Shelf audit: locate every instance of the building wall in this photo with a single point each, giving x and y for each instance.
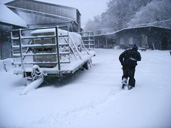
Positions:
(164, 38)
(5, 45)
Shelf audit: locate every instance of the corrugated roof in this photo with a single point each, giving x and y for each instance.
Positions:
(9, 17)
(138, 27)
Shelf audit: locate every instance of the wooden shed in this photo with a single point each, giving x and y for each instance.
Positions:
(151, 37)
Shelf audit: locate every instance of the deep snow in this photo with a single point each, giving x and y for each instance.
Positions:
(92, 98)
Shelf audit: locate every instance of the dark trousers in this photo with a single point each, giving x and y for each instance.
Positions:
(128, 72)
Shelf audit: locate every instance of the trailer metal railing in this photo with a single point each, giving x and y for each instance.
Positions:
(23, 40)
(88, 39)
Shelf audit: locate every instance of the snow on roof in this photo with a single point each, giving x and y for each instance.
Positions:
(5, 1)
(54, 3)
(9, 17)
(144, 26)
(137, 27)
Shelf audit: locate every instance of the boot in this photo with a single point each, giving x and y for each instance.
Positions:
(130, 87)
(124, 83)
(123, 86)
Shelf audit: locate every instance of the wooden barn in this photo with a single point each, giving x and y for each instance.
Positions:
(147, 37)
(33, 14)
(151, 37)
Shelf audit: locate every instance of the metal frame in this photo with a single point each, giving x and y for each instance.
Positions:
(20, 50)
(23, 54)
(88, 39)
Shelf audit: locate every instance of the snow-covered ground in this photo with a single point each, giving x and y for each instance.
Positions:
(92, 98)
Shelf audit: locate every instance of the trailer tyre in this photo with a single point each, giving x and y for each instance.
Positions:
(88, 64)
(36, 73)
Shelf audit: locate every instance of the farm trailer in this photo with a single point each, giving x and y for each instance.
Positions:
(47, 52)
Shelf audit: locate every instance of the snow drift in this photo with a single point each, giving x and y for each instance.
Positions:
(93, 98)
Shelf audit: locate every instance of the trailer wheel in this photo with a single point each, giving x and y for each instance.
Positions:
(88, 64)
(36, 73)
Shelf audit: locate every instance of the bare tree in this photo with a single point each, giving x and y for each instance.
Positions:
(158, 13)
(117, 16)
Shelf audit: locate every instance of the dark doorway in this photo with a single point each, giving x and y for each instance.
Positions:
(165, 44)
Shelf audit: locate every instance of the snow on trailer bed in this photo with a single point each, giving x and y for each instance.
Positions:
(71, 67)
(49, 51)
(65, 68)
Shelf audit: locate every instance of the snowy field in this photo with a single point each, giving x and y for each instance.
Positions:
(92, 98)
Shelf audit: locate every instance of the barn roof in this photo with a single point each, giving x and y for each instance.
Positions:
(43, 2)
(39, 12)
(139, 27)
(113, 34)
(9, 17)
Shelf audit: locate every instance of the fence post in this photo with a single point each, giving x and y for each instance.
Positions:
(57, 50)
(21, 53)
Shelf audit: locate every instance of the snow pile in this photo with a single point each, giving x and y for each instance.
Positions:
(93, 98)
(6, 65)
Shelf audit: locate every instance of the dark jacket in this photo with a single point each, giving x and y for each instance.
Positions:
(129, 58)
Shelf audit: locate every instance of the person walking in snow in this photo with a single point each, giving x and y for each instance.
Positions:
(128, 60)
